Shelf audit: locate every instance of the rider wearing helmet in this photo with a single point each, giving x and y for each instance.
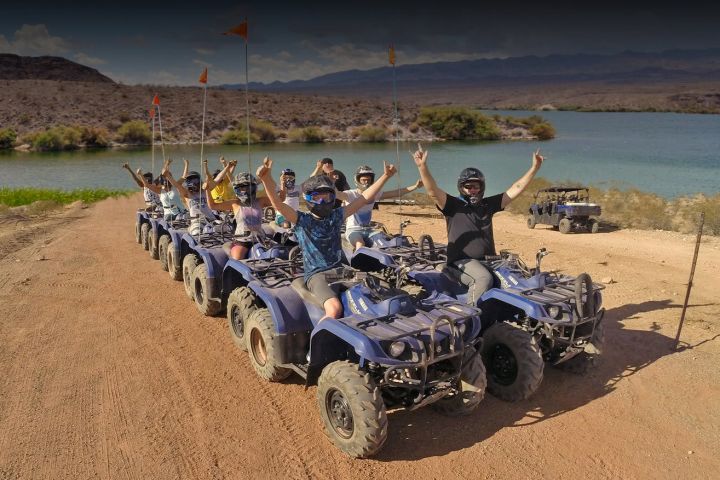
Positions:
(318, 232)
(220, 186)
(191, 190)
(292, 195)
(247, 208)
(469, 220)
(169, 198)
(357, 227)
(145, 181)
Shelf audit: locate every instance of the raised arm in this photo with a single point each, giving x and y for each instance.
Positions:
(224, 206)
(153, 188)
(371, 192)
(399, 192)
(186, 168)
(265, 176)
(132, 175)
(318, 169)
(437, 194)
(521, 183)
(229, 174)
(178, 186)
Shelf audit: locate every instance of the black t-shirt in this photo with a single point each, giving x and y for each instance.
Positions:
(341, 183)
(470, 230)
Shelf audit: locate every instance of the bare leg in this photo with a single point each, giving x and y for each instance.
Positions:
(238, 252)
(333, 308)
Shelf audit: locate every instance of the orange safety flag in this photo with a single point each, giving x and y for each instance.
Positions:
(241, 30)
(156, 100)
(391, 54)
(152, 113)
(203, 76)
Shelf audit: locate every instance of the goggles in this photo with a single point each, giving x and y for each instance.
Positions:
(473, 186)
(320, 197)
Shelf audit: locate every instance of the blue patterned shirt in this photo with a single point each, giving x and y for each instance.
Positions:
(319, 239)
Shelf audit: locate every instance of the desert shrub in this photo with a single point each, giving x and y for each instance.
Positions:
(7, 138)
(543, 131)
(458, 123)
(134, 132)
(265, 131)
(14, 197)
(55, 138)
(306, 135)
(238, 136)
(370, 133)
(94, 136)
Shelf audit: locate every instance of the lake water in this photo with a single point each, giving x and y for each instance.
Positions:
(665, 153)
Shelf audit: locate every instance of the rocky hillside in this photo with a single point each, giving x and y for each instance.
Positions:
(33, 105)
(14, 67)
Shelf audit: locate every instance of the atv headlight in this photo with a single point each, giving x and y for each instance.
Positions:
(397, 349)
(554, 311)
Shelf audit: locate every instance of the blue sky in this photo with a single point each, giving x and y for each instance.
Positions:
(170, 43)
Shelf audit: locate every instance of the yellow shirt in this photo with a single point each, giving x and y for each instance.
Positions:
(223, 191)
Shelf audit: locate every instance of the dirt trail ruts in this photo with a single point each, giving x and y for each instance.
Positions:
(108, 371)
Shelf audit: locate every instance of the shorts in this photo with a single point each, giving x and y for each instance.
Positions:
(241, 243)
(361, 235)
(318, 285)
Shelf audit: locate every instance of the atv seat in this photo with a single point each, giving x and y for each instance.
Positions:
(299, 286)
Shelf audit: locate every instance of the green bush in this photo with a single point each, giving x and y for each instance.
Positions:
(134, 132)
(55, 139)
(265, 131)
(458, 123)
(7, 138)
(543, 131)
(238, 137)
(306, 135)
(370, 133)
(94, 136)
(14, 197)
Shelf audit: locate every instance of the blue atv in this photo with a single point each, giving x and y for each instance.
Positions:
(387, 351)
(143, 227)
(529, 318)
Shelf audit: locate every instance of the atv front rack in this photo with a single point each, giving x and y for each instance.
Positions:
(273, 272)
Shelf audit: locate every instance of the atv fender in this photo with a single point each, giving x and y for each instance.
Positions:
(531, 308)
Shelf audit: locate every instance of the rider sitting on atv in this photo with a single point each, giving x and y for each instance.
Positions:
(292, 195)
(318, 232)
(173, 207)
(248, 210)
(357, 227)
(469, 220)
(190, 190)
(152, 200)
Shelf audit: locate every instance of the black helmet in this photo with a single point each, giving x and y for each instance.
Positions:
(288, 171)
(364, 171)
(471, 175)
(289, 178)
(192, 181)
(247, 194)
(316, 184)
(148, 176)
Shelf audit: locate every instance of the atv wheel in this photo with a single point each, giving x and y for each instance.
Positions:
(426, 243)
(188, 267)
(565, 226)
(174, 270)
(240, 305)
(260, 330)
(591, 356)
(145, 236)
(294, 253)
(513, 361)
(352, 409)
(531, 222)
(593, 226)
(163, 244)
(202, 289)
(471, 386)
(137, 233)
(153, 245)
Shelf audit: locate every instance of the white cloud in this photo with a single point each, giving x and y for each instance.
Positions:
(88, 60)
(35, 40)
(204, 51)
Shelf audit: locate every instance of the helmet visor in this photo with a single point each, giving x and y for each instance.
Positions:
(320, 197)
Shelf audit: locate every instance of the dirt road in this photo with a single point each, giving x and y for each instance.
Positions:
(108, 371)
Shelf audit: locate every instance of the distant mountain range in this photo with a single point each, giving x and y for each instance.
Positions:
(625, 67)
(15, 67)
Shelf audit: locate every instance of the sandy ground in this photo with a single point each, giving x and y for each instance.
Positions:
(108, 371)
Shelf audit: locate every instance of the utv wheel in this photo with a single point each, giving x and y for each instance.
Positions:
(471, 388)
(352, 409)
(565, 226)
(531, 222)
(153, 245)
(163, 245)
(145, 236)
(202, 289)
(188, 267)
(174, 269)
(513, 361)
(591, 357)
(260, 331)
(240, 305)
(593, 226)
(137, 233)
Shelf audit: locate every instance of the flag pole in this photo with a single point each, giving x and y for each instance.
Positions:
(396, 125)
(202, 130)
(153, 145)
(247, 107)
(162, 142)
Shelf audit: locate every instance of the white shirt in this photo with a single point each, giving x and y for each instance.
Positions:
(360, 219)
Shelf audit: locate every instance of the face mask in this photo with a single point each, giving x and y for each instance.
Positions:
(193, 186)
(289, 183)
(322, 210)
(243, 193)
